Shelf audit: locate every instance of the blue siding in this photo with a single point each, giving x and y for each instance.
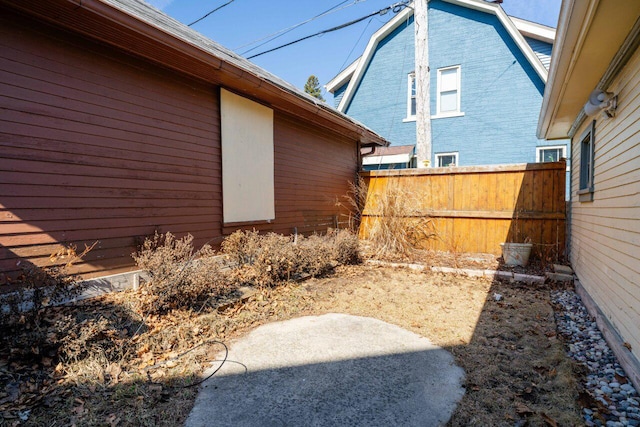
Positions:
(501, 94)
(380, 101)
(542, 50)
(338, 93)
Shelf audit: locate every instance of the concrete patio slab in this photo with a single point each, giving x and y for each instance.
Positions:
(330, 370)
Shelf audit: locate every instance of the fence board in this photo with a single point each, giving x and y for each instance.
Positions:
(474, 209)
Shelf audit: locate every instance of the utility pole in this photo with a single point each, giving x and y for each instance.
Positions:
(422, 79)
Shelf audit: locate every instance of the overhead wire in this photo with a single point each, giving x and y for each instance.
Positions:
(355, 44)
(284, 31)
(209, 13)
(396, 7)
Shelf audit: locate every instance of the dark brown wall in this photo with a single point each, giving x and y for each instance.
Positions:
(311, 171)
(99, 146)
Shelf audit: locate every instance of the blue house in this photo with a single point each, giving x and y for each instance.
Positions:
(488, 73)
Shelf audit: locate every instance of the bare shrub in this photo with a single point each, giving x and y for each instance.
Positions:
(315, 255)
(87, 338)
(40, 287)
(277, 260)
(346, 247)
(242, 247)
(178, 279)
(269, 259)
(401, 225)
(354, 202)
(548, 254)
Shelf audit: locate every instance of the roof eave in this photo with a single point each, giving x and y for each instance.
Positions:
(385, 30)
(534, 30)
(390, 26)
(343, 77)
(594, 41)
(183, 54)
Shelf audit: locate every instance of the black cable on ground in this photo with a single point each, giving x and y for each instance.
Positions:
(226, 354)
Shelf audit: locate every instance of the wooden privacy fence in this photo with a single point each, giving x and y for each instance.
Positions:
(474, 209)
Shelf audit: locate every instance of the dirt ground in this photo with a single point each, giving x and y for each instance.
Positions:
(502, 334)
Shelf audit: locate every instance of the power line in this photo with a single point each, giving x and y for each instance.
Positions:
(396, 7)
(355, 45)
(213, 11)
(281, 33)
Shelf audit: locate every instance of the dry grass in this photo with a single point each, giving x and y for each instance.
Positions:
(401, 225)
(516, 368)
(139, 369)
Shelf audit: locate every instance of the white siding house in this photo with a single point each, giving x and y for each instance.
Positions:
(597, 50)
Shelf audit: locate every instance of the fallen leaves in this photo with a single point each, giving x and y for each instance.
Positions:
(114, 370)
(550, 421)
(142, 372)
(522, 409)
(113, 420)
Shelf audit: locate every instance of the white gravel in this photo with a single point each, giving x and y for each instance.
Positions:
(605, 380)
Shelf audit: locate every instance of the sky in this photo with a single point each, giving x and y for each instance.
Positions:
(243, 22)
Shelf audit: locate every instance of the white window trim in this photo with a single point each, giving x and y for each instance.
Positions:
(446, 116)
(410, 117)
(457, 113)
(552, 147)
(454, 154)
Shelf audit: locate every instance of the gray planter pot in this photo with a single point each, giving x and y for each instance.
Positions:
(516, 253)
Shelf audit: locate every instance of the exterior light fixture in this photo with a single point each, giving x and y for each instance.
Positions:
(600, 100)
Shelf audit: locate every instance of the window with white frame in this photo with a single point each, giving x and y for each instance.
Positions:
(444, 160)
(411, 96)
(551, 153)
(448, 98)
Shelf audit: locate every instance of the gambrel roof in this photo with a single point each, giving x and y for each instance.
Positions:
(135, 27)
(516, 28)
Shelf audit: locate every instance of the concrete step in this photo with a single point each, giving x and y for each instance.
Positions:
(559, 277)
(562, 269)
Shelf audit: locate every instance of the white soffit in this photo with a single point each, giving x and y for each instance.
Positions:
(385, 160)
(590, 34)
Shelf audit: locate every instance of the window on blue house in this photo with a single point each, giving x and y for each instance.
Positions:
(411, 98)
(551, 154)
(444, 160)
(448, 100)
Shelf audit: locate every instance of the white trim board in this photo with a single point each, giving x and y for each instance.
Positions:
(343, 76)
(534, 30)
(385, 160)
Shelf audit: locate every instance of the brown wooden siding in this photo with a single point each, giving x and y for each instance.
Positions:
(312, 169)
(474, 209)
(98, 146)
